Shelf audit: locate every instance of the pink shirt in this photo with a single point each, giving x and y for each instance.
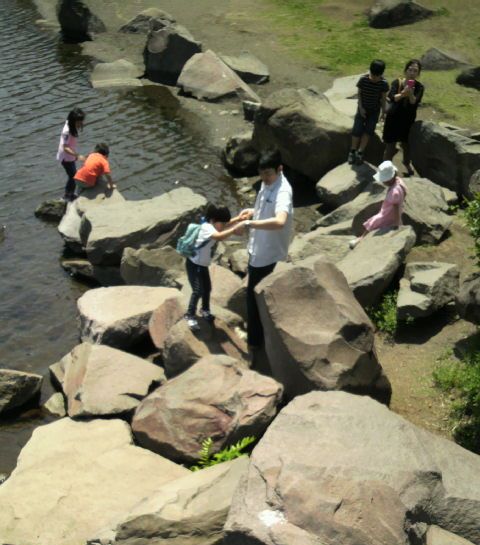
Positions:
(66, 139)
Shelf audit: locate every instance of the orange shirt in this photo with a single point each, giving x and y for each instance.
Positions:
(95, 165)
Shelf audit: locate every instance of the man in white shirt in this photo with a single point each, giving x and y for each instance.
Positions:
(270, 225)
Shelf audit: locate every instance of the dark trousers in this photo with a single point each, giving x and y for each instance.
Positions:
(254, 325)
(71, 169)
(199, 279)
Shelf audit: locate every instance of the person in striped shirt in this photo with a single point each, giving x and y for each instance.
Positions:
(372, 98)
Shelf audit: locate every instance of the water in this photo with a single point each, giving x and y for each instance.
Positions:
(152, 145)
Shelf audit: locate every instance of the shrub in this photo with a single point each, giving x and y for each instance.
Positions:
(208, 459)
(472, 217)
(384, 316)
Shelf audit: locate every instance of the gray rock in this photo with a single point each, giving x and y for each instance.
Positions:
(107, 230)
(239, 261)
(18, 389)
(120, 73)
(438, 536)
(191, 510)
(437, 59)
(248, 67)
(313, 349)
(343, 94)
(339, 468)
(240, 156)
(425, 288)
(146, 20)
(118, 316)
(237, 302)
(392, 13)
(444, 156)
(206, 77)
(344, 183)
(341, 228)
(250, 109)
(167, 51)
(468, 299)
(333, 247)
(52, 210)
(426, 210)
(153, 267)
(300, 123)
(77, 22)
(178, 416)
(55, 404)
(470, 77)
(82, 477)
(370, 267)
(102, 381)
(103, 275)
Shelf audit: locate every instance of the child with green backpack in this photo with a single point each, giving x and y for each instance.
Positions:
(197, 246)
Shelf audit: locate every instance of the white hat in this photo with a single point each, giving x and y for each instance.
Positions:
(386, 171)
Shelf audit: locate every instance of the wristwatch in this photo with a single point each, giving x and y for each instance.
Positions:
(247, 224)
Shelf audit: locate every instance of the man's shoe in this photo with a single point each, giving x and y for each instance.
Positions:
(359, 158)
(353, 243)
(192, 322)
(207, 316)
(351, 157)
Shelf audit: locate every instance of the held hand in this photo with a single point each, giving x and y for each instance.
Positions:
(81, 158)
(245, 214)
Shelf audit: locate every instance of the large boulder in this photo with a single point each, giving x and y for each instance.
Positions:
(215, 398)
(153, 267)
(99, 274)
(77, 22)
(317, 336)
(312, 136)
(118, 316)
(164, 317)
(240, 156)
(338, 468)
(120, 73)
(107, 230)
(183, 347)
(468, 299)
(426, 288)
(191, 510)
(206, 77)
(74, 478)
(248, 67)
(444, 155)
(151, 18)
(51, 210)
(437, 59)
(102, 381)
(392, 13)
(167, 50)
(372, 265)
(470, 77)
(333, 247)
(344, 183)
(18, 389)
(426, 210)
(343, 94)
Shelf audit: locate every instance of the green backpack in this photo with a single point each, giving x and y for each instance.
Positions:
(187, 244)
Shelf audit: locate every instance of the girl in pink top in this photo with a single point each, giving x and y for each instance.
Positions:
(67, 149)
(390, 214)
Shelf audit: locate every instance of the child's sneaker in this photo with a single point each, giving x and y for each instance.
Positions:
(207, 316)
(353, 243)
(359, 158)
(351, 157)
(192, 322)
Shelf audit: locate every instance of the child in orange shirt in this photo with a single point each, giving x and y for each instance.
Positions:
(96, 165)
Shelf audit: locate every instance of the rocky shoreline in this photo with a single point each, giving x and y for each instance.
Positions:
(141, 393)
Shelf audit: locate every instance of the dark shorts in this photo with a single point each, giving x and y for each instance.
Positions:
(367, 124)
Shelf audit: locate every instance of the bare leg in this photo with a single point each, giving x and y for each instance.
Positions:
(363, 142)
(355, 142)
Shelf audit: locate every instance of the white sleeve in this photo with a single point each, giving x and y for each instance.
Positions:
(283, 202)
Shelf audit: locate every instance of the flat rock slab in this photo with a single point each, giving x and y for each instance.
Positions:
(103, 381)
(426, 288)
(437, 59)
(333, 247)
(121, 73)
(371, 265)
(178, 416)
(80, 477)
(248, 67)
(339, 468)
(205, 76)
(317, 336)
(106, 231)
(118, 316)
(17, 389)
(343, 94)
(146, 20)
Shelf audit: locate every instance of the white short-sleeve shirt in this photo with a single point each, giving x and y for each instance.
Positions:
(203, 256)
(266, 247)
(66, 139)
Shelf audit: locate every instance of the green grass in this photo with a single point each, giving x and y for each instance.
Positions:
(336, 36)
(208, 459)
(384, 316)
(460, 378)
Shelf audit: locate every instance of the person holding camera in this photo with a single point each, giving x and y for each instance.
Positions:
(403, 99)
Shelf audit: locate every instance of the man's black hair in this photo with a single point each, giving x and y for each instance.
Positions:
(270, 159)
(103, 149)
(377, 67)
(221, 213)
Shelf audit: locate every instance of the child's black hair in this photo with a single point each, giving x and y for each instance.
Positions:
(413, 61)
(221, 213)
(270, 159)
(77, 114)
(103, 149)
(377, 67)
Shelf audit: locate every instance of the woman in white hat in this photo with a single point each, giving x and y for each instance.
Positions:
(390, 214)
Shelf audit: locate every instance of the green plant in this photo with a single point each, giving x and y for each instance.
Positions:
(208, 459)
(461, 379)
(384, 316)
(472, 217)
